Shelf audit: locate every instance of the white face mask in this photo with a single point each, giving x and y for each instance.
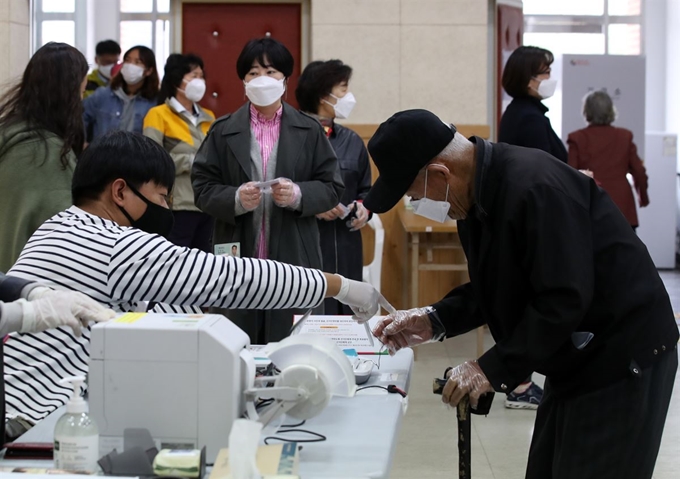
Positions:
(132, 74)
(195, 89)
(546, 88)
(431, 209)
(343, 106)
(264, 90)
(105, 70)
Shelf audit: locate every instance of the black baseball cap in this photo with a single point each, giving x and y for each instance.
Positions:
(400, 148)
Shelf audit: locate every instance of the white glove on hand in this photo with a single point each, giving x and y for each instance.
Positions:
(361, 219)
(249, 195)
(331, 215)
(466, 379)
(363, 298)
(62, 308)
(285, 193)
(409, 328)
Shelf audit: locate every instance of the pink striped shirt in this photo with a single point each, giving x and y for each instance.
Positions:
(267, 132)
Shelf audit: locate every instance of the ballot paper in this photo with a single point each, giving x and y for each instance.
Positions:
(266, 186)
(343, 331)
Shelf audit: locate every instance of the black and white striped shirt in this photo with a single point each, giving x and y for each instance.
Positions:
(121, 266)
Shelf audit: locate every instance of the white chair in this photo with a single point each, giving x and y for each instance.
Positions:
(372, 271)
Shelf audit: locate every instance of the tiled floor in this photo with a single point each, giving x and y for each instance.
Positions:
(427, 445)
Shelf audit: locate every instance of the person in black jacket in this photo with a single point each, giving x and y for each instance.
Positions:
(267, 140)
(28, 307)
(323, 92)
(564, 284)
(526, 78)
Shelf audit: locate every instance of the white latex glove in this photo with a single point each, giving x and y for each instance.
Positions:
(363, 298)
(361, 219)
(408, 328)
(62, 308)
(466, 379)
(284, 193)
(249, 195)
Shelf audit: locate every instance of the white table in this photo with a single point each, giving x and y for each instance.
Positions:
(361, 431)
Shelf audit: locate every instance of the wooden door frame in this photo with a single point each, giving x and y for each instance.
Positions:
(305, 24)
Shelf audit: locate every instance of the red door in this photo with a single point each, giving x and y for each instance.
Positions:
(218, 31)
(509, 34)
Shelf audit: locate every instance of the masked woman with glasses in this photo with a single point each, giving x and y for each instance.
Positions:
(180, 125)
(526, 78)
(264, 172)
(323, 92)
(125, 102)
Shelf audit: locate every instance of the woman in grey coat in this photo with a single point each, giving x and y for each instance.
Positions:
(267, 140)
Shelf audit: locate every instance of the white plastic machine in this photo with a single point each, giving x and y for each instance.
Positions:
(179, 376)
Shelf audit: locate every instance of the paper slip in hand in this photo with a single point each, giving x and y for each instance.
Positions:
(344, 331)
(266, 186)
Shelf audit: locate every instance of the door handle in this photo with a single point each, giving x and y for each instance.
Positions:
(216, 33)
(215, 95)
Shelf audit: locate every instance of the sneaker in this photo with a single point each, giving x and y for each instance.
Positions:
(529, 399)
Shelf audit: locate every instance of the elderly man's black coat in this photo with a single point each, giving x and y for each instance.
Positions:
(549, 255)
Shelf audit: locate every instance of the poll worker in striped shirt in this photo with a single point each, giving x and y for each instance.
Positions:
(110, 245)
(29, 307)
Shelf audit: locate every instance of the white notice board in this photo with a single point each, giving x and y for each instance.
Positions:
(623, 77)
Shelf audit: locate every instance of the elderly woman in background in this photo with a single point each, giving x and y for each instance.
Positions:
(609, 152)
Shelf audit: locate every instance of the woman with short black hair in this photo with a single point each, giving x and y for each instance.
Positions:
(264, 173)
(41, 134)
(323, 92)
(526, 78)
(125, 102)
(180, 125)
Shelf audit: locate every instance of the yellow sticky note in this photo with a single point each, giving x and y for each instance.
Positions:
(130, 318)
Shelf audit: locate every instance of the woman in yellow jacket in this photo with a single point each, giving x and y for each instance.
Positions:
(179, 124)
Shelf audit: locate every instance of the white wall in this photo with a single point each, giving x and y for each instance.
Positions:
(14, 40)
(672, 90)
(655, 50)
(405, 54)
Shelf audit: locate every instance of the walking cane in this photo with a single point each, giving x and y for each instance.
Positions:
(463, 412)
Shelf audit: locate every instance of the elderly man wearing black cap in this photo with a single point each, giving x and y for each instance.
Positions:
(565, 286)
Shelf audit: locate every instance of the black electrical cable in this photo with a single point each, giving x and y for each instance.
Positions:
(317, 437)
(288, 426)
(369, 387)
(391, 388)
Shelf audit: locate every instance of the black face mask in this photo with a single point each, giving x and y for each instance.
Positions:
(155, 220)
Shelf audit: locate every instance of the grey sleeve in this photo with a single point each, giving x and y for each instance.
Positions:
(13, 288)
(11, 315)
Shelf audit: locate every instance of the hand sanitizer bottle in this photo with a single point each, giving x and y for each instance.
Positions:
(76, 436)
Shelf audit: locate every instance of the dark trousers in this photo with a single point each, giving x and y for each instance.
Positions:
(611, 433)
(192, 229)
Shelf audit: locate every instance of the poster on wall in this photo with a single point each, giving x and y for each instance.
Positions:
(623, 77)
